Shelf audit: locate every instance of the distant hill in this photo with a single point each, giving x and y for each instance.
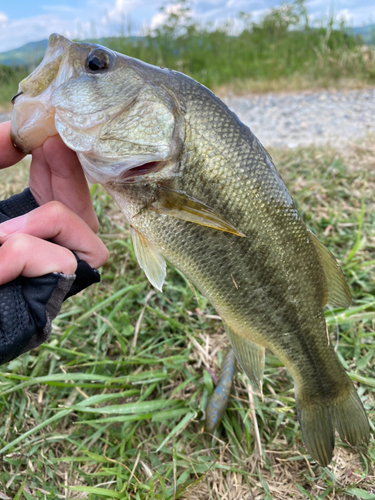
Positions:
(366, 32)
(28, 55)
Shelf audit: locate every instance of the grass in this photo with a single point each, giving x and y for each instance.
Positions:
(280, 51)
(9, 79)
(113, 405)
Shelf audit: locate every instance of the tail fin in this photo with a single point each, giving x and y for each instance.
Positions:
(318, 431)
(351, 420)
(319, 419)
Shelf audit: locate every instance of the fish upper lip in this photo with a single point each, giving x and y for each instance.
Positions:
(13, 100)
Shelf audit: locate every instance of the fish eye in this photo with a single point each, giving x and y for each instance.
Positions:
(98, 60)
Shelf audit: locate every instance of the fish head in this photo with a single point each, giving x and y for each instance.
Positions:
(119, 114)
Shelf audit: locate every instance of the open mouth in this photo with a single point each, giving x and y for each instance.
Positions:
(141, 170)
(13, 100)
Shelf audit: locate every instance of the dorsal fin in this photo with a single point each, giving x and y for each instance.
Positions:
(149, 259)
(338, 293)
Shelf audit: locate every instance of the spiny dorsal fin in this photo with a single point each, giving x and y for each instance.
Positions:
(149, 259)
(249, 355)
(338, 293)
(182, 206)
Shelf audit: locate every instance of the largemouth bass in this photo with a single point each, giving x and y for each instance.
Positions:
(199, 190)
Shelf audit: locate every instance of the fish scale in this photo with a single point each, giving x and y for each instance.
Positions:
(199, 190)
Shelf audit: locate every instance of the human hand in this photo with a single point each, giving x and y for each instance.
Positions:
(36, 275)
(55, 175)
(25, 252)
(56, 179)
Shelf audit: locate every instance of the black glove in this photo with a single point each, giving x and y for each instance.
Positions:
(28, 305)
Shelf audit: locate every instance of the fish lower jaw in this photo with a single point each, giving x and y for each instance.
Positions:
(31, 125)
(126, 171)
(100, 172)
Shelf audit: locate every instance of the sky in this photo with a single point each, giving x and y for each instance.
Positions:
(23, 21)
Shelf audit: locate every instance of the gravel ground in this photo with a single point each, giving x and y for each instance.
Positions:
(304, 118)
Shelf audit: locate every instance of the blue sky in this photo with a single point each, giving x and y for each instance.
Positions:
(23, 21)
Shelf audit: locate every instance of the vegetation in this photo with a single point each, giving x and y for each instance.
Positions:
(280, 52)
(113, 405)
(9, 79)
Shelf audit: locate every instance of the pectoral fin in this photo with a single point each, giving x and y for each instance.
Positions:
(182, 206)
(338, 293)
(249, 355)
(149, 259)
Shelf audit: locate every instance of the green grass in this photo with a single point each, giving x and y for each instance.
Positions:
(113, 405)
(279, 52)
(9, 79)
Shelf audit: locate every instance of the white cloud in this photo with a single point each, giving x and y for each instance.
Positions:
(157, 20)
(345, 15)
(15, 33)
(160, 18)
(123, 7)
(97, 18)
(356, 16)
(3, 17)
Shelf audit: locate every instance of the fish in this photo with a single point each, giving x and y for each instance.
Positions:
(199, 190)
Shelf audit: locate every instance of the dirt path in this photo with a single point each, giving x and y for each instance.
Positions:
(307, 118)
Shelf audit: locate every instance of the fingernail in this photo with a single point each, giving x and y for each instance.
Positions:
(12, 225)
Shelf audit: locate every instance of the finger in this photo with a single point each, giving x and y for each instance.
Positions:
(25, 255)
(40, 177)
(55, 222)
(64, 180)
(9, 155)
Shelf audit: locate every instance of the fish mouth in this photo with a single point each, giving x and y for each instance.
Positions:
(31, 123)
(141, 170)
(98, 169)
(13, 100)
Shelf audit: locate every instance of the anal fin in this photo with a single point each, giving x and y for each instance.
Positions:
(249, 355)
